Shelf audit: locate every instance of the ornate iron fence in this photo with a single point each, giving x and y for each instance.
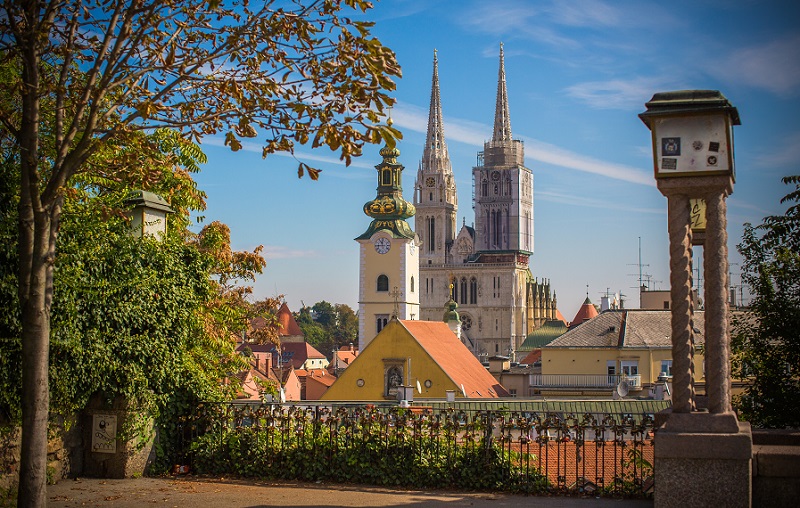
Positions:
(501, 450)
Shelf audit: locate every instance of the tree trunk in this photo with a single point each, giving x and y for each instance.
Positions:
(35, 362)
(36, 255)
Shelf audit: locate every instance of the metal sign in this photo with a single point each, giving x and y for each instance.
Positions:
(104, 433)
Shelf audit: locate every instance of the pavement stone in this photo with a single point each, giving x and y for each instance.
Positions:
(199, 492)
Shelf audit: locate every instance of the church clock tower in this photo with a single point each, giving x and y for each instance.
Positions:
(389, 255)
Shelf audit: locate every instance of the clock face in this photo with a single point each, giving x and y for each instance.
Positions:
(495, 176)
(382, 245)
(430, 182)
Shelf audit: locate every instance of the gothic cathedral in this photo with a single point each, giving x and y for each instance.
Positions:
(484, 269)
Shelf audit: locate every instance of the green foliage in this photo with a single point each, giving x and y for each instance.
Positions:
(766, 339)
(396, 448)
(142, 320)
(332, 326)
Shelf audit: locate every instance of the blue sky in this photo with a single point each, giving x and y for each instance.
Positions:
(578, 73)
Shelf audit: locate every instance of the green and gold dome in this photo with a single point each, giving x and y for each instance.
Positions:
(389, 210)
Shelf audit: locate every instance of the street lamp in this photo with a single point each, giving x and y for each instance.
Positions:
(692, 137)
(692, 133)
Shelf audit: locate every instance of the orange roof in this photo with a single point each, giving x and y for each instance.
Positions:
(585, 313)
(533, 357)
(288, 325)
(560, 317)
(346, 357)
(321, 376)
(455, 360)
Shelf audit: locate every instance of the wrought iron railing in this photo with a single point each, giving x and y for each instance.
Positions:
(586, 381)
(424, 447)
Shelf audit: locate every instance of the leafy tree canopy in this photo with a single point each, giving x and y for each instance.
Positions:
(766, 340)
(88, 73)
(327, 326)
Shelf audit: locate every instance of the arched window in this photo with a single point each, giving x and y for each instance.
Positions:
(387, 177)
(473, 291)
(463, 290)
(412, 283)
(381, 321)
(383, 283)
(485, 188)
(431, 234)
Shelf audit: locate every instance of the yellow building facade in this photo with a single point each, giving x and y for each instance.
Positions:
(423, 355)
(629, 345)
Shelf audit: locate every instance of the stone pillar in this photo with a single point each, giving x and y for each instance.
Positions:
(702, 455)
(715, 252)
(680, 278)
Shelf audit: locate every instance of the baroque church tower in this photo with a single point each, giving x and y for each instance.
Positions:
(483, 269)
(388, 255)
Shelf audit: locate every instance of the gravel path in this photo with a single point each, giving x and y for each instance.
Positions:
(225, 493)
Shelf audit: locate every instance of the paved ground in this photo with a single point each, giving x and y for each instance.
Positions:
(225, 493)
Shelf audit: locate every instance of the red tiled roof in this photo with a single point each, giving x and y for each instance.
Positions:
(533, 357)
(346, 357)
(455, 360)
(585, 313)
(292, 353)
(560, 317)
(320, 376)
(288, 325)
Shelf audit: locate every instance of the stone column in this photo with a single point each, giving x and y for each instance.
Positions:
(715, 252)
(680, 255)
(702, 456)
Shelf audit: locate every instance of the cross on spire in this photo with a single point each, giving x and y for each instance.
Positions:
(396, 294)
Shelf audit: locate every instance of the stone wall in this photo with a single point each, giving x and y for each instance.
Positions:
(70, 454)
(64, 452)
(776, 468)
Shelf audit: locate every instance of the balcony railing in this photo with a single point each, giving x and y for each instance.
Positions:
(584, 381)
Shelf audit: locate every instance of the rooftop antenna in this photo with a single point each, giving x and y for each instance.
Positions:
(640, 265)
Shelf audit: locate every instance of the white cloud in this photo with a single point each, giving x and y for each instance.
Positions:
(298, 155)
(415, 118)
(618, 93)
(783, 155)
(551, 154)
(572, 199)
(474, 133)
(282, 252)
(774, 67)
(584, 13)
(511, 18)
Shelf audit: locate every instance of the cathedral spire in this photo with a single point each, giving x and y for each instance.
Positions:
(502, 121)
(435, 157)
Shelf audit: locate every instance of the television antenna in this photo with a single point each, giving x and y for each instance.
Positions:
(640, 265)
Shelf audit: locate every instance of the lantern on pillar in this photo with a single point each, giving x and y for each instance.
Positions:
(692, 132)
(692, 136)
(148, 213)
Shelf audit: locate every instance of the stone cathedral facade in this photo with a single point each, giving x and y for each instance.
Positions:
(484, 268)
